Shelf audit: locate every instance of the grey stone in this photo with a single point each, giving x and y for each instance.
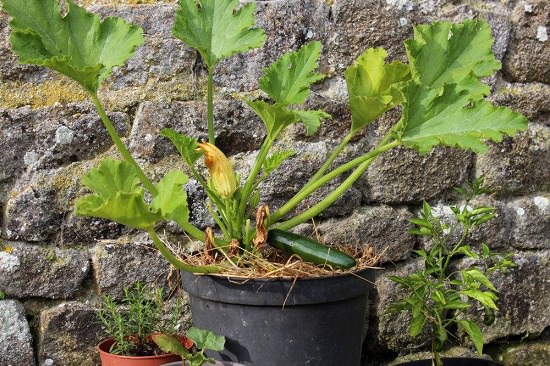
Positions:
(531, 217)
(120, 264)
(15, 336)
(42, 271)
(50, 138)
(69, 333)
(391, 331)
(520, 165)
(236, 126)
(529, 99)
(519, 63)
(518, 312)
(402, 175)
(382, 227)
(526, 354)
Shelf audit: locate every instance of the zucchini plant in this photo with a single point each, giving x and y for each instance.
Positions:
(439, 92)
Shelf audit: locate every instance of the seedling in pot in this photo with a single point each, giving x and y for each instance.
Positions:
(192, 351)
(440, 296)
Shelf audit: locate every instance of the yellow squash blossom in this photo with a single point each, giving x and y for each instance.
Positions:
(220, 169)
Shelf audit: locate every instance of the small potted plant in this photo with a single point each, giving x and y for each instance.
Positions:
(441, 294)
(131, 325)
(439, 92)
(192, 351)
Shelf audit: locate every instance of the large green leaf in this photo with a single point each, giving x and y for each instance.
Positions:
(288, 80)
(171, 201)
(444, 52)
(450, 116)
(77, 44)
(125, 208)
(117, 196)
(217, 28)
(112, 176)
(371, 86)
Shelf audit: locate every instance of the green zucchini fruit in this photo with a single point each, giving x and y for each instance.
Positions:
(309, 250)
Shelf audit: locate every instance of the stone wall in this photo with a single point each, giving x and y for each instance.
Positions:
(54, 265)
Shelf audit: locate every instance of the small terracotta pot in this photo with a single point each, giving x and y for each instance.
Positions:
(109, 359)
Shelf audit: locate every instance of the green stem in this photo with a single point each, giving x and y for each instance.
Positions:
(121, 147)
(362, 162)
(210, 106)
(176, 262)
(330, 159)
(338, 192)
(249, 185)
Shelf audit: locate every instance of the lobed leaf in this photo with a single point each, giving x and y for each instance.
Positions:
(371, 86)
(186, 145)
(217, 28)
(171, 201)
(205, 339)
(449, 116)
(443, 52)
(78, 44)
(276, 117)
(288, 80)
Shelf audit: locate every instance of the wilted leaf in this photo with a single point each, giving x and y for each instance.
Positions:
(371, 86)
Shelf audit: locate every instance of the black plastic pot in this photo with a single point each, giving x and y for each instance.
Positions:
(314, 321)
(454, 361)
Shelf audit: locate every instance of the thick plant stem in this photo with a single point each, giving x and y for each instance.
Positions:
(210, 106)
(121, 147)
(249, 185)
(172, 259)
(362, 164)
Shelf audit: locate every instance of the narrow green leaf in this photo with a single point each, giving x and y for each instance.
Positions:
(218, 28)
(417, 324)
(78, 44)
(206, 339)
(288, 80)
(474, 332)
(186, 145)
(311, 119)
(477, 275)
(457, 304)
(371, 86)
(485, 298)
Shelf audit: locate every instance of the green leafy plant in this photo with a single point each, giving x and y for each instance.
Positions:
(201, 340)
(439, 91)
(140, 315)
(440, 296)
